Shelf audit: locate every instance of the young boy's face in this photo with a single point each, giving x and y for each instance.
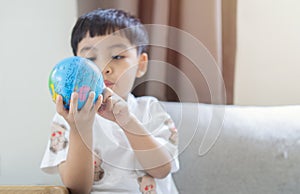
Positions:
(117, 58)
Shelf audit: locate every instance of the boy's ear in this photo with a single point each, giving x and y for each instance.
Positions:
(143, 65)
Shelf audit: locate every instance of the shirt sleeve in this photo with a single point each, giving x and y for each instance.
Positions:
(159, 123)
(58, 145)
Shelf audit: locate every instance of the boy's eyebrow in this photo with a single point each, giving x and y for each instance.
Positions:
(122, 46)
(87, 48)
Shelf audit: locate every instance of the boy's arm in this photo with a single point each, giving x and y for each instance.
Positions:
(78, 169)
(153, 157)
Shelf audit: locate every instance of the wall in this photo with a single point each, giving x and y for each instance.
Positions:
(267, 65)
(34, 36)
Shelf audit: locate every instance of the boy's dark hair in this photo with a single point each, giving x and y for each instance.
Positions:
(105, 21)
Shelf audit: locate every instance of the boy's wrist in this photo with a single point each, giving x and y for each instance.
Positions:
(134, 127)
(80, 130)
(125, 121)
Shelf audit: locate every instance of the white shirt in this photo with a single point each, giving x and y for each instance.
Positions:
(117, 169)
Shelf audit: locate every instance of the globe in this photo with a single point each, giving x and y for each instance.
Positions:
(75, 74)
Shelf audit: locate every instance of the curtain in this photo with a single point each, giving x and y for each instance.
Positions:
(229, 20)
(192, 51)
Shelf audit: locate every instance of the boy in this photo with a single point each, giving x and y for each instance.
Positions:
(120, 144)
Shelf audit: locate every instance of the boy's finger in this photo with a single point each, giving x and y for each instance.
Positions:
(106, 94)
(60, 106)
(109, 104)
(74, 102)
(98, 103)
(90, 101)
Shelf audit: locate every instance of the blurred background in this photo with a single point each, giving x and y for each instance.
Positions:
(254, 45)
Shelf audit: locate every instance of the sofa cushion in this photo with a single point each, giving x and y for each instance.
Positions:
(237, 149)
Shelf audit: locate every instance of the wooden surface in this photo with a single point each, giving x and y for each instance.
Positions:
(33, 190)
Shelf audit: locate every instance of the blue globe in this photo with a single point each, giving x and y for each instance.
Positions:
(75, 74)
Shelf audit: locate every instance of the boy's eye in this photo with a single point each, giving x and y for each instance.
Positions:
(117, 57)
(92, 58)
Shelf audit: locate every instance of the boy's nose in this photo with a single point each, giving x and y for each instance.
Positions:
(107, 70)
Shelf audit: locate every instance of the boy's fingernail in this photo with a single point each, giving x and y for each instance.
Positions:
(57, 98)
(73, 95)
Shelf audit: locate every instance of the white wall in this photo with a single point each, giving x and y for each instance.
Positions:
(268, 60)
(34, 35)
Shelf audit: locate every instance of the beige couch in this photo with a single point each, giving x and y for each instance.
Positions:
(230, 150)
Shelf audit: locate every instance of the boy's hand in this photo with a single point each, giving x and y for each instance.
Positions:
(114, 108)
(83, 119)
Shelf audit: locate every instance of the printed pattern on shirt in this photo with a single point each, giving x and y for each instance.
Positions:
(98, 171)
(174, 133)
(147, 184)
(58, 141)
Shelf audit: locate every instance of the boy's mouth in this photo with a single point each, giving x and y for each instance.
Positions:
(108, 83)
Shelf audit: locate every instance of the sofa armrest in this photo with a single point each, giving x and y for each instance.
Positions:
(33, 189)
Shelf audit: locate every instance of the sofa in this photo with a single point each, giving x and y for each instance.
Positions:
(227, 150)
(237, 149)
